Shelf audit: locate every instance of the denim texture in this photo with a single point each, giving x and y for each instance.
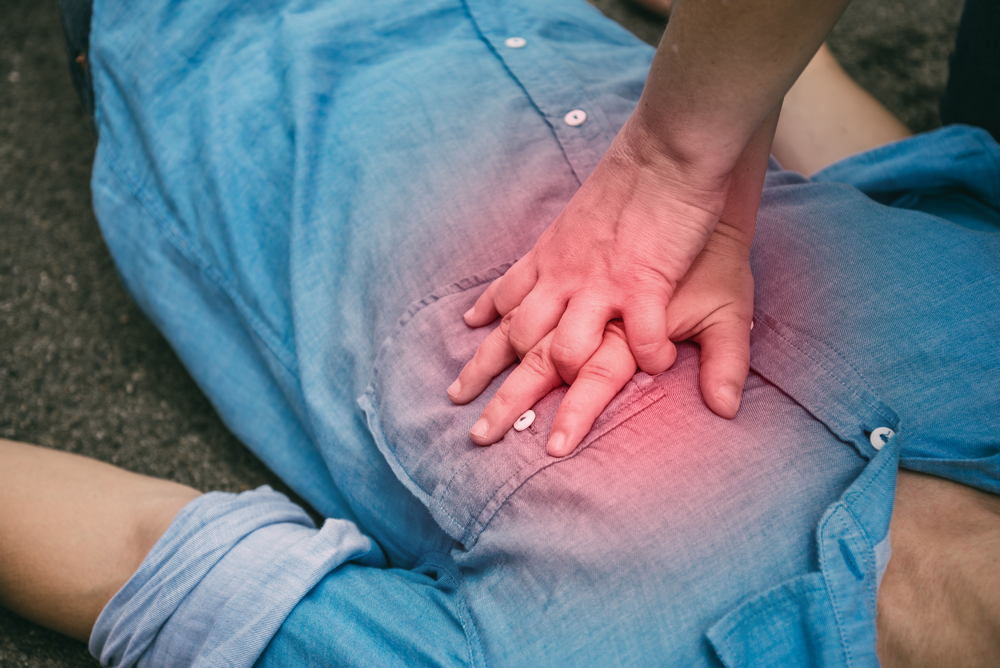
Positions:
(305, 196)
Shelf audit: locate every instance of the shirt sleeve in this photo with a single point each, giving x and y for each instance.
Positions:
(219, 583)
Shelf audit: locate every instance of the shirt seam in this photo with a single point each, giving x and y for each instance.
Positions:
(264, 333)
(463, 612)
(841, 631)
(772, 605)
(875, 406)
(581, 448)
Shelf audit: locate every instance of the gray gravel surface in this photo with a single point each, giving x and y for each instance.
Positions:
(81, 368)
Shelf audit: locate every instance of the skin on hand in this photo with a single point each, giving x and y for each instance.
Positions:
(629, 235)
(599, 380)
(618, 250)
(713, 306)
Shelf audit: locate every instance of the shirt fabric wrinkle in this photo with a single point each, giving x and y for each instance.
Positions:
(298, 274)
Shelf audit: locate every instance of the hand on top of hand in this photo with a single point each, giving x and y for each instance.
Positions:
(712, 305)
(618, 250)
(637, 260)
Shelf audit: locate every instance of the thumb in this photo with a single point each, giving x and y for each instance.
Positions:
(725, 363)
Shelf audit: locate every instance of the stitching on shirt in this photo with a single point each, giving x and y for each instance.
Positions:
(464, 527)
(868, 546)
(463, 611)
(873, 406)
(527, 95)
(991, 155)
(653, 400)
(770, 606)
(869, 543)
(836, 352)
(440, 505)
(260, 329)
(820, 364)
(871, 481)
(829, 592)
(411, 312)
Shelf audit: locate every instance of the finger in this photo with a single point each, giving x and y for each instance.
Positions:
(493, 356)
(483, 312)
(597, 383)
(646, 329)
(578, 335)
(531, 380)
(725, 363)
(514, 286)
(535, 318)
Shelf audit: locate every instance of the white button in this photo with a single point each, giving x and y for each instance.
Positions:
(524, 421)
(880, 437)
(575, 117)
(515, 42)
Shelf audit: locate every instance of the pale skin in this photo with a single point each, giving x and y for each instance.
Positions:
(624, 243)
(73, 530)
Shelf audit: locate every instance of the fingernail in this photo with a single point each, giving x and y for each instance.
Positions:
(557, 445)
(454, 390)
(468, 314)
(729, 395)
(481, 429)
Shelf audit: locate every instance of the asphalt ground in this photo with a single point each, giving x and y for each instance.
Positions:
(81, 368)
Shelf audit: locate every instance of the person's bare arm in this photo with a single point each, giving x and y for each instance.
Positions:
(939, 603)
(721, 68)
(73, 530)
(825, 116)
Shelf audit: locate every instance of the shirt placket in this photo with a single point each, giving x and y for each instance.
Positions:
(578, 123)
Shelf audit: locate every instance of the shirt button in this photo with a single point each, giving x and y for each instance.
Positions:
(880, 437)
(524, 421)
(515, 42)
(575, 117)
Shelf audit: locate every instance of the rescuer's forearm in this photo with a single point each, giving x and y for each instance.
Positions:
(721, 68)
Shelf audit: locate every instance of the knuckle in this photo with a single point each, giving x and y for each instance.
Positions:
(728, 348)
(504, 401)
(521, 345)
(478, 364)
(505, 323)
(564, 356)
(599, 373)
(537, 363)
(647, 349)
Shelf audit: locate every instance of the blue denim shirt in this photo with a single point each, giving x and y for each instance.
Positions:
(305, 196)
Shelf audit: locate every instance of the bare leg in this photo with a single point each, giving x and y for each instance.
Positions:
(72, 532)
(827, 116)
(939, 603)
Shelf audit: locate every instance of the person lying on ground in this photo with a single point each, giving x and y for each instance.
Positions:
(292, 197)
